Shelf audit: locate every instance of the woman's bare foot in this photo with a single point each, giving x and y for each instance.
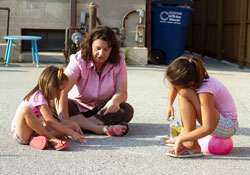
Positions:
(116, 130)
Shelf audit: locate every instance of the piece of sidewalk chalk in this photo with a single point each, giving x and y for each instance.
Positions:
(84, 140)
(162, 137)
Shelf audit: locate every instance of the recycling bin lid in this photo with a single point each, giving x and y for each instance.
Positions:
(172, 1)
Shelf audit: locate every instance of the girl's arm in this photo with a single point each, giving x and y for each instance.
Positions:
(62, 106)
(120, 96)
(51, 122)
(171, 97)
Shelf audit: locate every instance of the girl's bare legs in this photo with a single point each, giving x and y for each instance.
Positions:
(28, 122)
(190, 112)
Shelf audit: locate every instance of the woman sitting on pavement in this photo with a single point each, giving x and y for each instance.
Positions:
(97, 90)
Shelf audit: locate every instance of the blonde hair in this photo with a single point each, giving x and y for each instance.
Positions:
(51, 77)
(186, 69)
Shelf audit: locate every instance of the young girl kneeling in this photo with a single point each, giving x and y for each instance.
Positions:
(201, 98)
(33, 123)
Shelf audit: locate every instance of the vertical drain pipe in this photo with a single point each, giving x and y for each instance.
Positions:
(72, 15)
(92, 16)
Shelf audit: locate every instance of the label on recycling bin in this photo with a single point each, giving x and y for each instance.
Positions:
(171, 17)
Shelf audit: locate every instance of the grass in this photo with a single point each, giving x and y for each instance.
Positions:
(125, 52)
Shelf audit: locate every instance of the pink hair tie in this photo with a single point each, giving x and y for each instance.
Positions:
(190, 61)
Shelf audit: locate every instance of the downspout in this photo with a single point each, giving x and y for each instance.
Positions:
(148, 27)
(92, 16)
(8, 20)
(72, 14)
(68, 31)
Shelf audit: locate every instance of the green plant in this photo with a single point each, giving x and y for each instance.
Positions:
(125, 52)
(1, 60)
(149, 59)
(70, 47)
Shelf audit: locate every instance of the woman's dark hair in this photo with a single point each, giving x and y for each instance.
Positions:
(185, 69)
(103, 33)
(51, 77)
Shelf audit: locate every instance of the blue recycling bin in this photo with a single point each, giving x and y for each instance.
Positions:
(168, 32)
(172, 1)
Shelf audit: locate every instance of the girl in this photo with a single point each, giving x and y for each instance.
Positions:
(201, 97)
(33, 116)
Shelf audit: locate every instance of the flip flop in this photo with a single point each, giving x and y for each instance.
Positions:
(60, 145)
(117, 130)
(38, 142)
(189, 154)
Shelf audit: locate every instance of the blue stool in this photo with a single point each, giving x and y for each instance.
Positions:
(34, 50)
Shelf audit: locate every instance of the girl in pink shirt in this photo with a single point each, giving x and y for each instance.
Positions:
(201, 98)
(34, 117)
(95, 97)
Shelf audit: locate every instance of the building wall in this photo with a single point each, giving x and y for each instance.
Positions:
(55, 14)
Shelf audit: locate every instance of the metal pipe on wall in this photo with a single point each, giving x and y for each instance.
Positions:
(140, 27)
(72, 14)
(92, 16)
(122, 30)
(148, 27)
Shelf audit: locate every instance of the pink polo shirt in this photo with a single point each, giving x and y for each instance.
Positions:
(90, 90)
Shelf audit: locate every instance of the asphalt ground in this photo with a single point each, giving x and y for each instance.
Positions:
(139, 152)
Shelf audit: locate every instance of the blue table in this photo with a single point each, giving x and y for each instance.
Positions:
(33, 40)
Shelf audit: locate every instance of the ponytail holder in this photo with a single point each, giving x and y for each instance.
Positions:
(190, 61)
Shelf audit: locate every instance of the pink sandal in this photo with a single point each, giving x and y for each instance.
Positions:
(118, 130)
(38, 142)
(60, 145)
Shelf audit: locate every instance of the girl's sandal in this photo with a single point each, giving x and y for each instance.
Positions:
(60, 145)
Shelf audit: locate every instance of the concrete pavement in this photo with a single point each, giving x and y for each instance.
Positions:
(137, 153)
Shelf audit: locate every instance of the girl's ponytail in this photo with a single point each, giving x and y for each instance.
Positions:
(201, 72)
(60, 75)
(186, 69)
(51, 77)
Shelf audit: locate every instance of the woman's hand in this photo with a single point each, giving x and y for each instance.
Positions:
(110, 107)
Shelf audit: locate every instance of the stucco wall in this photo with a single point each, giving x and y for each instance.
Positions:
(55, 14)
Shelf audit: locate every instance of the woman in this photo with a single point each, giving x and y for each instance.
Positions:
(97, 90)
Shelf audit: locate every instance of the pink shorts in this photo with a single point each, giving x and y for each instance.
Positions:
(18, 138)
(226, 127)
(21, 140)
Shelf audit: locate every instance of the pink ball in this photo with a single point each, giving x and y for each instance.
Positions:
(216, 145)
